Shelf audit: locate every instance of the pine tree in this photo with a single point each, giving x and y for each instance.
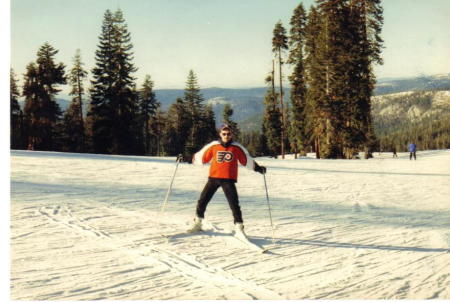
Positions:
(177, 128)
(209, 131)
(113, 98)
(101, 112)
(315, 62)
(16, 115)
(148, 106)
(280, 43)
(367, 21)
(342, 42)
(42, 113)
(194, 103)
(298, 133)
(271, 128)
(226, 119)
(73, 117)
(126, 98)
(328, 40)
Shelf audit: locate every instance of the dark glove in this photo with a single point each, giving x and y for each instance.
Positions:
(260, 169)
(186, 158)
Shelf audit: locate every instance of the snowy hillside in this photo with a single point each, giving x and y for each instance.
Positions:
(411, 105)
(88, 227)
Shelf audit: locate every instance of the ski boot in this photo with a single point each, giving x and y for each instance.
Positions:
(239, 230)
(196, 226)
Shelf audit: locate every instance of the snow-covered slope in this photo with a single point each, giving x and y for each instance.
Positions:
(88, 227)
(411, 105)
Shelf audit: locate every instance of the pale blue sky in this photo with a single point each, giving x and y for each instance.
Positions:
(226, 43)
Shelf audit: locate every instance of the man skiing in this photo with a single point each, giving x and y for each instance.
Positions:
(412, 151)
(224, 155)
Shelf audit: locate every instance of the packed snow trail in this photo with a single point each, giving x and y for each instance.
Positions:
(88, 227)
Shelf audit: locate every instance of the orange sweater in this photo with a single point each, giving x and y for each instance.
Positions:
(224, 160)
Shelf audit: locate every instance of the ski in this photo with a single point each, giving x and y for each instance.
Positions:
(213, 230)
(244, 239)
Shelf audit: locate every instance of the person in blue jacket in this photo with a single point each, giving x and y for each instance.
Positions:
(412, 151)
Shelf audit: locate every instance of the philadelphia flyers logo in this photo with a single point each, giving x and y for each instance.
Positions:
(224, 156)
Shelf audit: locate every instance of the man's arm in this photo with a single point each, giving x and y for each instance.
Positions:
(249, 162)
(204, 155)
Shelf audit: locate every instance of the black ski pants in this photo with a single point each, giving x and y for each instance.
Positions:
(229, 188)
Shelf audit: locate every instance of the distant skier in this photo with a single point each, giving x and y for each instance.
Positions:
(412, 151)
(394, 152)
(224, 155)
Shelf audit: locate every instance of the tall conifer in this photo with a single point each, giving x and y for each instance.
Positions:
(336, 43)
(315, 63)
(42, 113)
(74, 131)
(280, 43)
(367, 22)
(148, 106)
(271, 128)
(298, 138)
(194, 103)
(113, 97)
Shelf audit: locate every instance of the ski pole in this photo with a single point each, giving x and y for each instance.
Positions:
(270, 212)
(163, 206)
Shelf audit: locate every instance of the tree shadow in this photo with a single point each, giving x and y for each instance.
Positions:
(330, 244)
(359, 172)
(92, 156)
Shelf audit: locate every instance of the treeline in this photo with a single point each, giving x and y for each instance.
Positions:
(331, 50)
(428, 134)
(120, 118)
(396, 130)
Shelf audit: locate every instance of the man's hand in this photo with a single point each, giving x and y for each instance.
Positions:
(260, 169)
(185, 158)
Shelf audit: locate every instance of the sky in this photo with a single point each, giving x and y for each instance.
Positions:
(226, 43)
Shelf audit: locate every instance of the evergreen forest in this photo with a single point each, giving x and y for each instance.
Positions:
(325, 56)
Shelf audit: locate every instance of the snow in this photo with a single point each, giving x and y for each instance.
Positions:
(87, 227)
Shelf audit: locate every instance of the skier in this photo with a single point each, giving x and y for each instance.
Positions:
(394, 152)
(224, 155)
(412, 150)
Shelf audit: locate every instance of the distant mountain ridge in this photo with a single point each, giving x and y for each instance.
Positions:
(392, 110)
(434, 82)
(248, 107)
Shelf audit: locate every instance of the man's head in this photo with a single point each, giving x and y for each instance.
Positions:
(225, 133)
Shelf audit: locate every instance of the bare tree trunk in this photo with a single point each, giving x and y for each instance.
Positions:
(282, 104)
(317, 147)
(81, 112)
(273, 79)
(273, 88)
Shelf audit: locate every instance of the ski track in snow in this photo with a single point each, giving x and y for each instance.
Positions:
(87, 227)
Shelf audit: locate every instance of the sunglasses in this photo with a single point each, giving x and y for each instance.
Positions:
(226, 134)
